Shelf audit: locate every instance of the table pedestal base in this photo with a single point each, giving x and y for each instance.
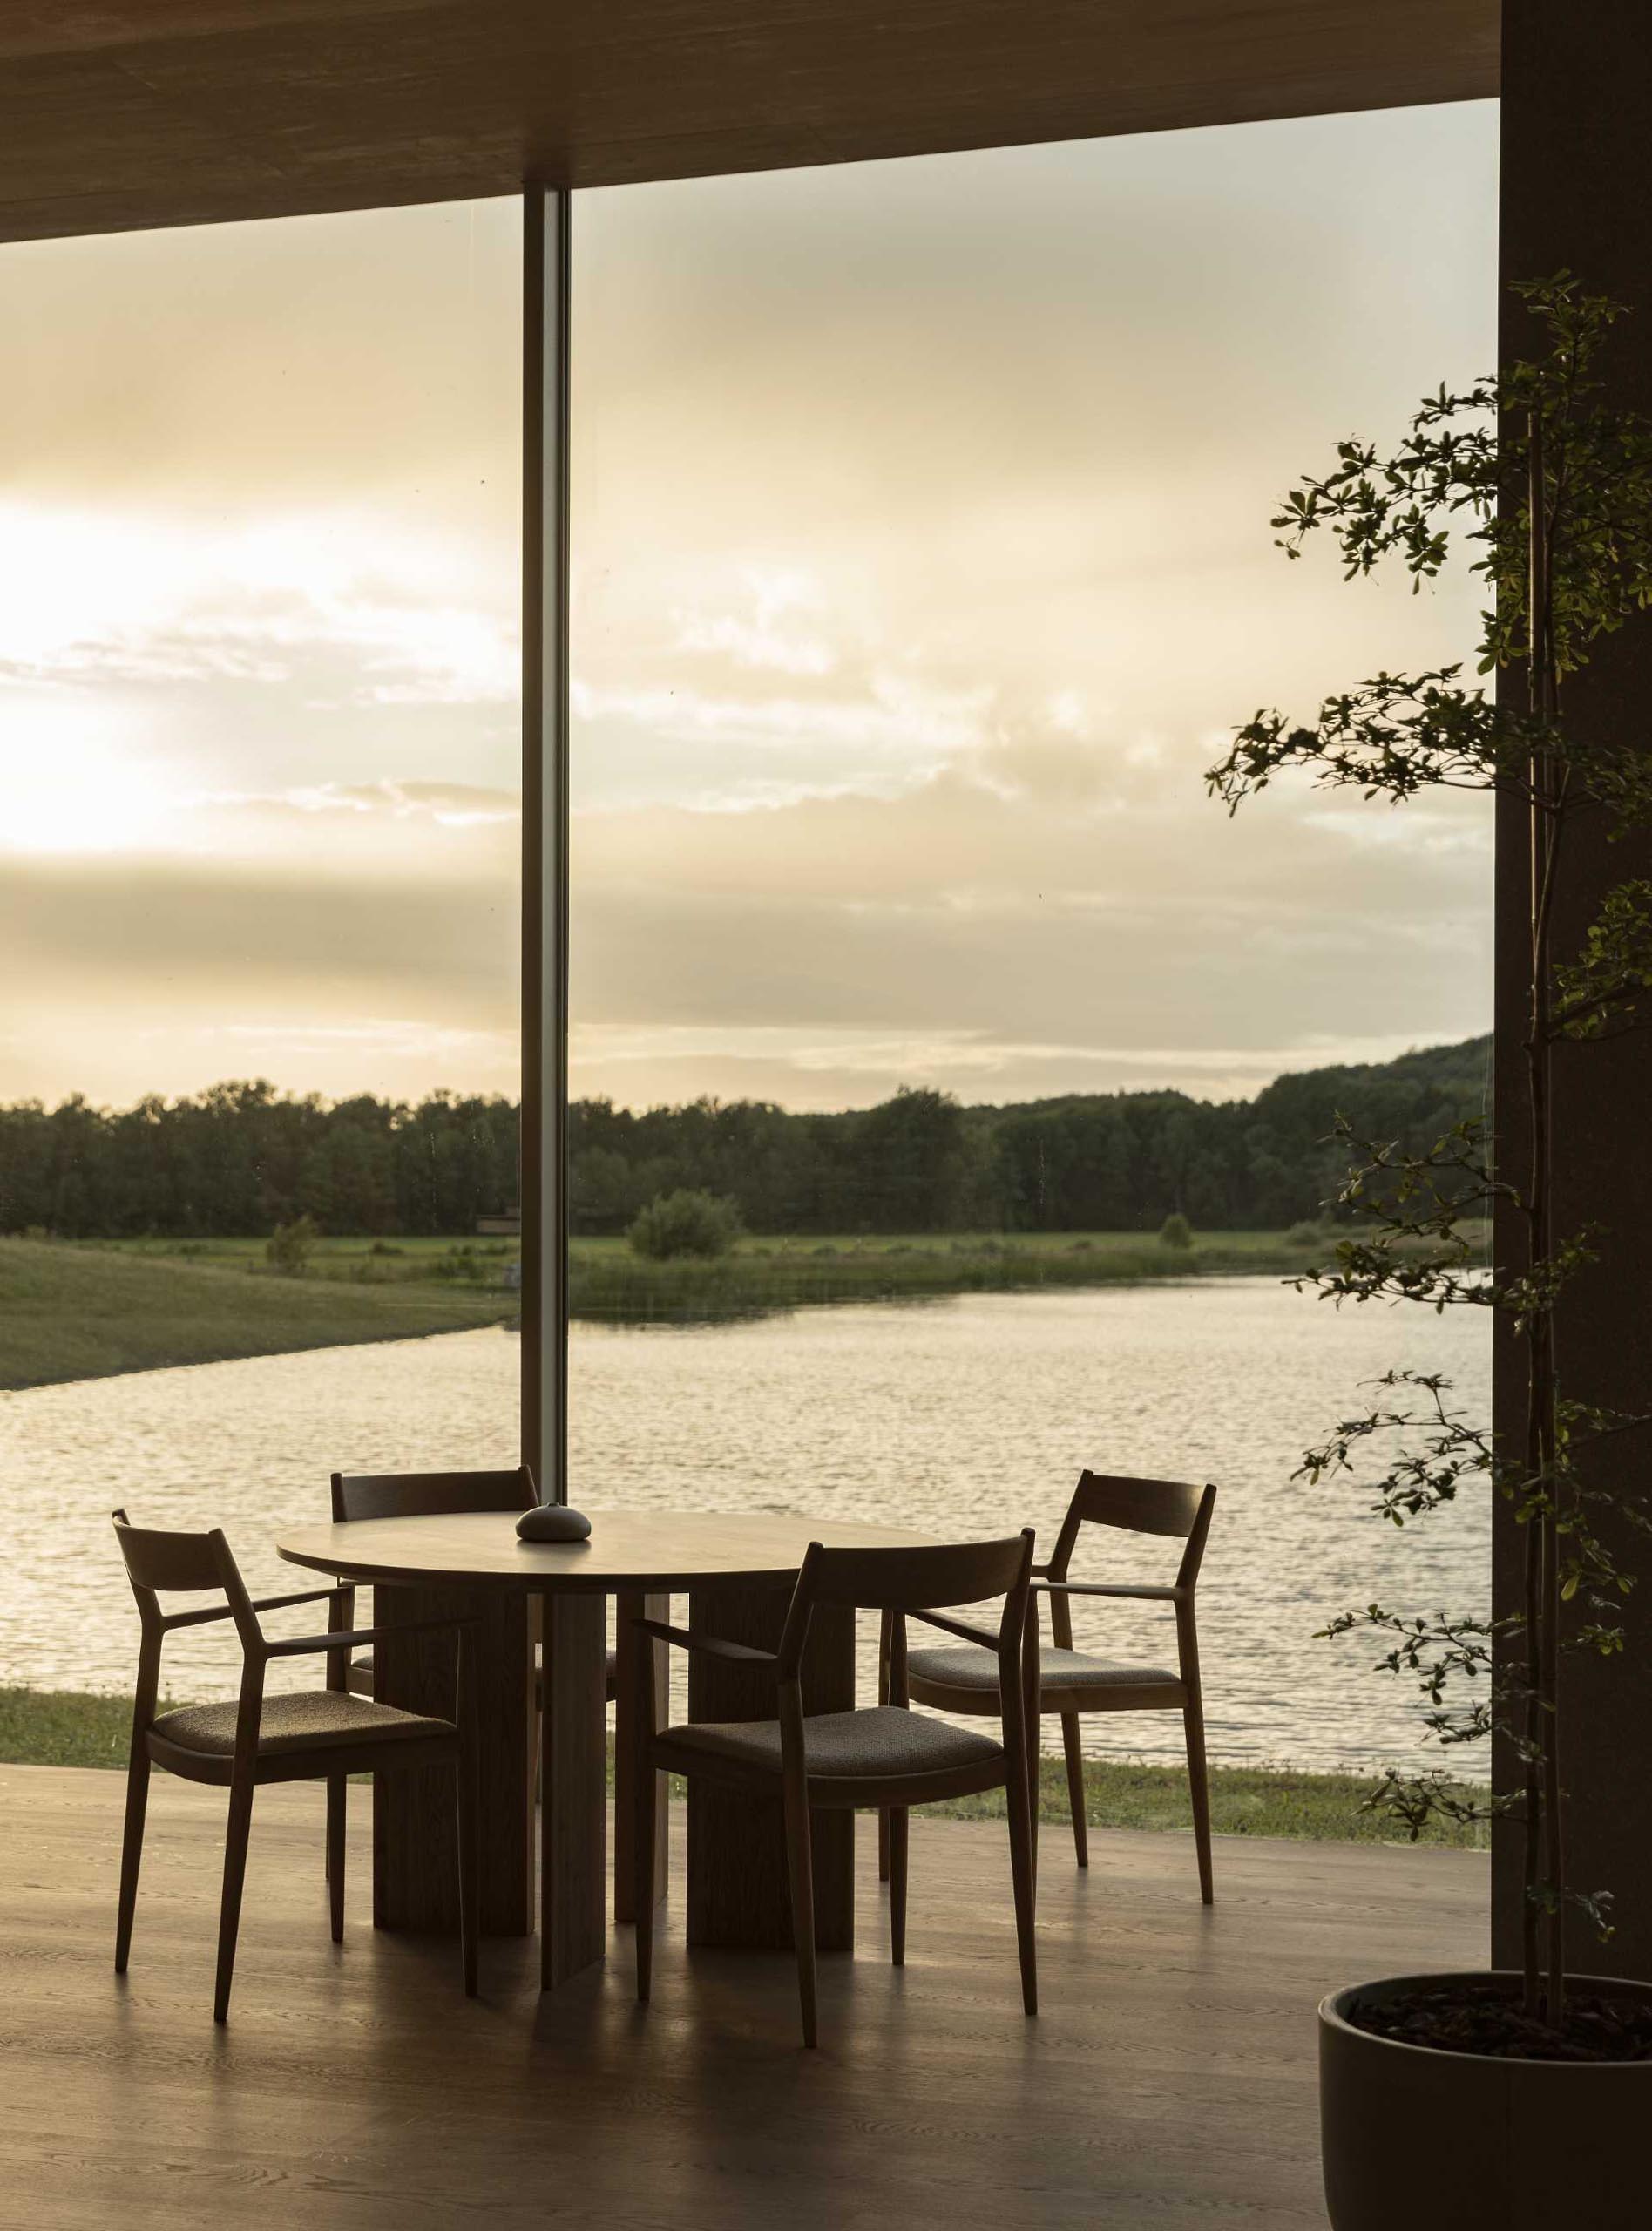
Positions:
(627, 1719)
(573, 1929)
(415, 1875)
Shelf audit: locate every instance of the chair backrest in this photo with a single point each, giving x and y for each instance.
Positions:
(429, 1495)
(908, 1580)
(1168, 1506)
(160, 1564)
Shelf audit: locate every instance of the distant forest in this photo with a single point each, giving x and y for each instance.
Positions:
(242, 1158)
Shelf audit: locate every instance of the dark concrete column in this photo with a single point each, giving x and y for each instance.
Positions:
(1577, 193)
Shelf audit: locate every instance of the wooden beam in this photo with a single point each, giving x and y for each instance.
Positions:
(156, 112)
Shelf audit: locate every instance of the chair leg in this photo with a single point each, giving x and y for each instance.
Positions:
(801, 1867)
(469, 1807)
(1074, 1750)
(882, 1843)
(236, 1833)
(337, 1784)
(644, 1829)
(897, 1850)
(1199, 1789)
(132, 1852)
(1024, 1871)
(1032, 1723)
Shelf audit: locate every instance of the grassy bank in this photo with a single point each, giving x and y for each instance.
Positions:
(73, 1312)
(608, 1280)
(56, 1728)
(84, 1309)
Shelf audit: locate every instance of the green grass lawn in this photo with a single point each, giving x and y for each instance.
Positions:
(79, 1312)
(56, 1728)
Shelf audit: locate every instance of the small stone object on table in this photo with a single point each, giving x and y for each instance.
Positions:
(553, 1522)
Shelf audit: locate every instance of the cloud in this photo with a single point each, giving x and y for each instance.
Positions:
(921, 564)
(450, 804)
(996, 941)
(1020, 934)
(102, 597)
(786, 628)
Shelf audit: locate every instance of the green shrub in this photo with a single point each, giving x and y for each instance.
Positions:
(1308, 1233)
(464, 1263)
(685, 1223)
(287, 1249)
(1176, 1231)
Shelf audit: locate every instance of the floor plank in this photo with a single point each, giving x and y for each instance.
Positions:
(1167, 2083)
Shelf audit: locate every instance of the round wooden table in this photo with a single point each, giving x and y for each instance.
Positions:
(737, 1569)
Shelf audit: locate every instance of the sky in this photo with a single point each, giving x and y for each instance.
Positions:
(922, 563)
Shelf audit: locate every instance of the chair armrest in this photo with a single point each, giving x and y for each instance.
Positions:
(961, 1628)
(172, 1619)
(708, 1645)
(264, 1603)
(1111, 1587)
(352, 1638)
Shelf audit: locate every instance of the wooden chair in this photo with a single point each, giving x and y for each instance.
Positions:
(418, 1494)
(326, 1734)
(886, 1755)
(1073, 1683)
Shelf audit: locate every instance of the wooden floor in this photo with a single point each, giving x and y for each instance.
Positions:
(1169, 2083)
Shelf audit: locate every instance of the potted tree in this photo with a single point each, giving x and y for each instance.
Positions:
(1517, 2099)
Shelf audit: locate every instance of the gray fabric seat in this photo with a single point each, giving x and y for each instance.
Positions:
(309, 1721)
(976, 1671)
(878, 1739)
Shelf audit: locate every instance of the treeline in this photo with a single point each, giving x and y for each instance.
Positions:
(242, 1158)
(1093, 1162)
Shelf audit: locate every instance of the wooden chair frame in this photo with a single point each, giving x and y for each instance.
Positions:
(435, 1495)
(902, 1583)
(166, 1563)
(426, 1494)
(1171, 1508)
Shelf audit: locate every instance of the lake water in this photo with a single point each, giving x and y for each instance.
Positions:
(964, 1416)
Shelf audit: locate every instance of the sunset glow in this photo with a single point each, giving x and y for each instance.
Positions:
(921, 564)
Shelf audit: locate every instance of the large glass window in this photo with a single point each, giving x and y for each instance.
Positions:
(923, 564)
(259, 760)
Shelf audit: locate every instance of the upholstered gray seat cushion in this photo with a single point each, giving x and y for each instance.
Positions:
(309, 1721)
(878, 1739)
(362, 1673)
(976, 1671)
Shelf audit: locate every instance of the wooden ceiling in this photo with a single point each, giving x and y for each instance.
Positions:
(119, 114)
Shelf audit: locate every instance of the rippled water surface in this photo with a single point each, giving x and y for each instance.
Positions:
(963, 1416)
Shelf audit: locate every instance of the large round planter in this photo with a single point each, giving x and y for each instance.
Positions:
(1416, 2140)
